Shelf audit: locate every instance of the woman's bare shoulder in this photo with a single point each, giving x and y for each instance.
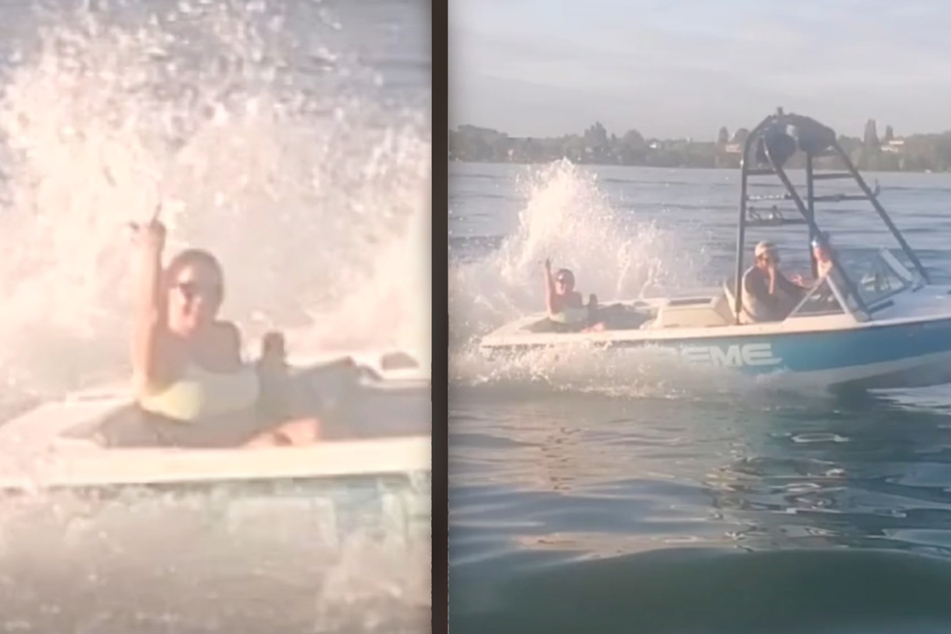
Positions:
(227, 328)
(228, 336)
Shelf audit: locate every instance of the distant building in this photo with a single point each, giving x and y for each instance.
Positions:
(894, 146)
(871, 134)
(739, 137)
(723, 136)
(889, 134)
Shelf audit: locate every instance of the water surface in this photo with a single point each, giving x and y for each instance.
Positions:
(628, 495)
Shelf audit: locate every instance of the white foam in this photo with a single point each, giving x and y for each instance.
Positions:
(614, 254)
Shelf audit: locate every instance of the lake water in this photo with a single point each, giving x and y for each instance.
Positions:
(634, 497)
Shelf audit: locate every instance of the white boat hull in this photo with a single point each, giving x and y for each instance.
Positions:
(906, 344)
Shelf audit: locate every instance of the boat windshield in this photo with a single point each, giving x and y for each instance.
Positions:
(876, 275)
(821, 300)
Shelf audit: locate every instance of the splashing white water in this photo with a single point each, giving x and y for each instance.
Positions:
(569, 218)
(312, 194)
(291, 560)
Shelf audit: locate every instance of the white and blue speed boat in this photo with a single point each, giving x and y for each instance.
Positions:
(382, 398)
(876, 321)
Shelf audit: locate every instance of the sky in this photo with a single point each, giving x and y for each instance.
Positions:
(683, 68)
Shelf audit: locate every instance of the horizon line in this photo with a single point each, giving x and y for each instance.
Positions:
(683, 137)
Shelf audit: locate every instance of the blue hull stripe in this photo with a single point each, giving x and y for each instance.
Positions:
(807, 351)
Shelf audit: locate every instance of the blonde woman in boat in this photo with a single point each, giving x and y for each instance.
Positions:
(565, 306)
(822, 253)
(192, 386)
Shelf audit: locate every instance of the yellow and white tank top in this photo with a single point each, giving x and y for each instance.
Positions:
(199, 394)
(570, 315)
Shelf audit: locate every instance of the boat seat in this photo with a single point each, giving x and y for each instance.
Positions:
(617, 316)
(699, 312)
(722, 306)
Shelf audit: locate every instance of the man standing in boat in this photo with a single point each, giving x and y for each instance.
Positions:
(767, 294)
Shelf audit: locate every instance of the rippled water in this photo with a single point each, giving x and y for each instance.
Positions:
(636, 497)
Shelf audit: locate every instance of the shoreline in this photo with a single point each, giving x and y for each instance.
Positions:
(670, 167)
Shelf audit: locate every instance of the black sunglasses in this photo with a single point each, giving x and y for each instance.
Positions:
(191, 290)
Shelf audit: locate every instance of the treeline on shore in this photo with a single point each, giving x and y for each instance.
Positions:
(914, 153)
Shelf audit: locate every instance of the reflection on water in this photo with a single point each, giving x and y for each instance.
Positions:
(542, 488)
(692, 591)
(790, 473)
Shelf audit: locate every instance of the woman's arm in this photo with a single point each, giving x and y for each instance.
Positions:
(788, 286)
(549, 289)
(148, 324)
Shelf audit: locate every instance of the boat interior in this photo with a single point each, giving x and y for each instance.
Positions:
(880, 278)
(353, 400)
